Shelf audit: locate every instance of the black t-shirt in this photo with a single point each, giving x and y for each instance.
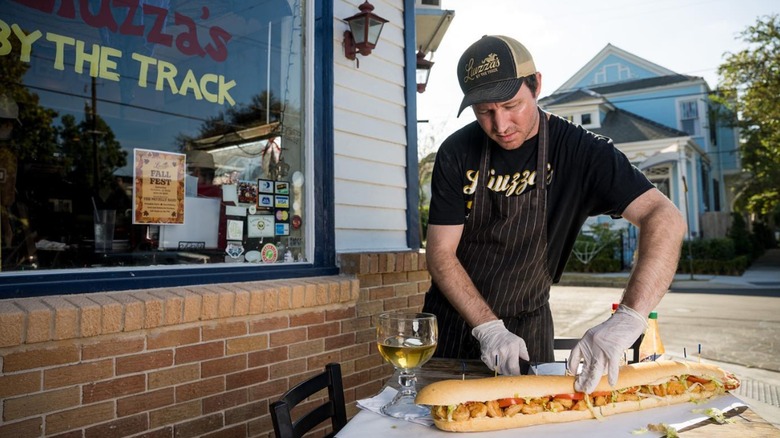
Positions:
(587, 176)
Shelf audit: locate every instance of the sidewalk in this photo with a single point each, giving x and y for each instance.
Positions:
(763, 274)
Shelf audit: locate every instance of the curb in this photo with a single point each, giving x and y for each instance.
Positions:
(592, 281)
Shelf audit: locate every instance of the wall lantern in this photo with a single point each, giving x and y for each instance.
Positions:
(363, 33)
(423, 71)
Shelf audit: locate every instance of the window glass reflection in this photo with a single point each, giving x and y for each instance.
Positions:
(149, 132)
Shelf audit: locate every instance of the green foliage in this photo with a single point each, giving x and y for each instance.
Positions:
(729, 256)
(762, 238)
(424, 211)
(597, 265)
(740, 234)
(37, 141)
(242, 116)
(425, 171)
(79, 141)
(595, 250)
(712, 249)
(712, 257)
(749, 86)
(735, 266)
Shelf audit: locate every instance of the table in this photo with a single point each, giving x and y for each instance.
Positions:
(745, 421)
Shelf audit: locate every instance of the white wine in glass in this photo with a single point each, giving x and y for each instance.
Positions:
(407, 341)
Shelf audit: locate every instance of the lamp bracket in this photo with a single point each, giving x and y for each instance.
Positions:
(350, 50)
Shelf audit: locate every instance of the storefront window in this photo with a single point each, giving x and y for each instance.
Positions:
(151, 132)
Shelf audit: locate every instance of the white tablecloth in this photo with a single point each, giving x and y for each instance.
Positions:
(370, 424)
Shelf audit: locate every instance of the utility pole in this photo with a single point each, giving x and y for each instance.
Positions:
(688, 221)
(95, 152)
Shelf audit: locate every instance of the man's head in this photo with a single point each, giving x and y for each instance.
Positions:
(493, 69)
(201, 164)
(9, 116)
(492, 73)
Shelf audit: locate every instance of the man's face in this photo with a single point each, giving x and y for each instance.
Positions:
(512, 122)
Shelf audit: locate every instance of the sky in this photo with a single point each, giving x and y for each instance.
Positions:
(686, 36)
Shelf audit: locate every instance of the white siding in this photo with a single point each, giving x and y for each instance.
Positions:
(365, 241)
(382, 151)
(358, 195)
(356, 171)
(370, 136)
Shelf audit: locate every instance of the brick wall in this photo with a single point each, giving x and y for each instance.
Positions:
(194, 361)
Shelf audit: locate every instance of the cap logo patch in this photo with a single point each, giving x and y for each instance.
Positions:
(488, 65)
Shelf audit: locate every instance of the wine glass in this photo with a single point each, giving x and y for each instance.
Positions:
(407, 340)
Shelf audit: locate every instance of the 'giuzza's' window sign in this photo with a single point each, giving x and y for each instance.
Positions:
(120, 16)
(103, 61)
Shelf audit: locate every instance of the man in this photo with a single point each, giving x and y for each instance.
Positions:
(9, 118)
(200, 164)
(510, 193)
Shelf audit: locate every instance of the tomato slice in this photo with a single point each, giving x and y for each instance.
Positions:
(504, 402)
(731, 383)
(694, 379)
(580, 396)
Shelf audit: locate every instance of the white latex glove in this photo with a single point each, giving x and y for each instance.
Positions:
(495, 340)
(603, 347)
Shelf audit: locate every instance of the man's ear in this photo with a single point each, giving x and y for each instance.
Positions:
(539, 84)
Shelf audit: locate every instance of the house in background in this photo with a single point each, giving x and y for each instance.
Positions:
(663, 121)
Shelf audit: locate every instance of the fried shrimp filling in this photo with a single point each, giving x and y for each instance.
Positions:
(510, 407)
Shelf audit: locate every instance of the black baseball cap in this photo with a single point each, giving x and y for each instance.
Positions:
(492, 70)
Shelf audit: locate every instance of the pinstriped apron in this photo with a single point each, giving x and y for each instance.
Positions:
(504, 250)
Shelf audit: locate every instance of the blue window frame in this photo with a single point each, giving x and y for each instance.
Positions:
(193, 62)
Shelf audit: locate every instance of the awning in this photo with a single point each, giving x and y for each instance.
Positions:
(659, 159)
(664, 156)
(432, 24)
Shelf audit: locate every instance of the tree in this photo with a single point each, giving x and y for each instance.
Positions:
(749, 85)
(242, 116)
(79, 140)
(429, 137)
(424, 173)
(37, 141)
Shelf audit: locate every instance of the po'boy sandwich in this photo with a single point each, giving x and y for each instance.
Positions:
(506, 402)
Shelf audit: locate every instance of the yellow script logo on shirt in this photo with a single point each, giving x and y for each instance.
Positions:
(511, 185)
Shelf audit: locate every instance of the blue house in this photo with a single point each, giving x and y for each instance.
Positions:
(663, 121)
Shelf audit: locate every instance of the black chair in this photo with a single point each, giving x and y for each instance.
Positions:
(334, 409)
(569, 343)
